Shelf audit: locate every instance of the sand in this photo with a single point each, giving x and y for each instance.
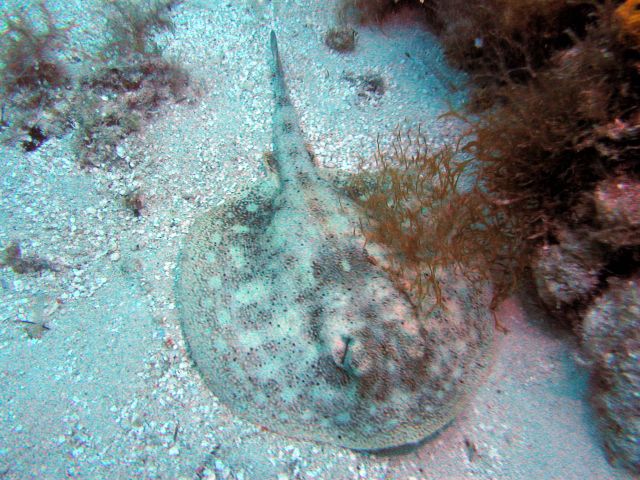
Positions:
(108, 390)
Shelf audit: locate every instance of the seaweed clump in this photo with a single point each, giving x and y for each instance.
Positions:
(515, 38)
(487, 35)
(12, 257)
(628, 14)
(341, 39)
(365, 11)
(133, 83)
(34, 76)
(131, 79)
(551, 140)
(132, 25)
(554, 108)
(30, 55)
(424, 204)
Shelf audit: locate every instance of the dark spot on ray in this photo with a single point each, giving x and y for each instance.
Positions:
(256, 221)
(315, 323)
(370, 312)
(262, 317)
(415, 373)
(289, 261)
(331, 373)
(376, 385)
(303, 178)
(270, 387)
(317, 268)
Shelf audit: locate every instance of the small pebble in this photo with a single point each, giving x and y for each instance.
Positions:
(174, 451)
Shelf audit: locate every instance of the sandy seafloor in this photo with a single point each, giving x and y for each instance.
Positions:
(108, 392)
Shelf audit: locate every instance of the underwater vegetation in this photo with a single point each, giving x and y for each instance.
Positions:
(570, 122)
(119, 98)
(422, 204)
(115, 91)
(12, 257)
(553, 128)
(489, 35)
(34, 75)
(132, 82)
(550, 140)
(131, 25)
(30, 54)
(628, 15)
(341, 39)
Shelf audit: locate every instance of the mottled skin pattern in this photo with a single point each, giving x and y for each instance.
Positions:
(295, 326)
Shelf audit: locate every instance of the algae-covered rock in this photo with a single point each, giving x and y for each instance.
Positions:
(611, 338)
(617, 202)
(567, 273)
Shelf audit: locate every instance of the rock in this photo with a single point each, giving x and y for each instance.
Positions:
(611, 338)
(617, 202)
(341, 39)
(567, 274)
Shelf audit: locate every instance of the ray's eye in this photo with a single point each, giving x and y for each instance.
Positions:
(341, 352)
(345, 359)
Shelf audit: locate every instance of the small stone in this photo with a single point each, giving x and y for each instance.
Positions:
(136, 421)
(76, 452)
(208, 474)
(18, 285)
(341, 39)
(174, 451)
(568, 272)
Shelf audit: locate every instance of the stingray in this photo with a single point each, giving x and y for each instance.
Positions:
(293, 323)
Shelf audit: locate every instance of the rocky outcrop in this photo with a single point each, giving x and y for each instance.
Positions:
(610, 335)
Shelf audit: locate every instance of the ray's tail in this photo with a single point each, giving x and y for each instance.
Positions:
(293, 162)
(279, 87)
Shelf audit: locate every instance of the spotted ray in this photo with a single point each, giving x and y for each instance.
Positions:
(293, 323)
